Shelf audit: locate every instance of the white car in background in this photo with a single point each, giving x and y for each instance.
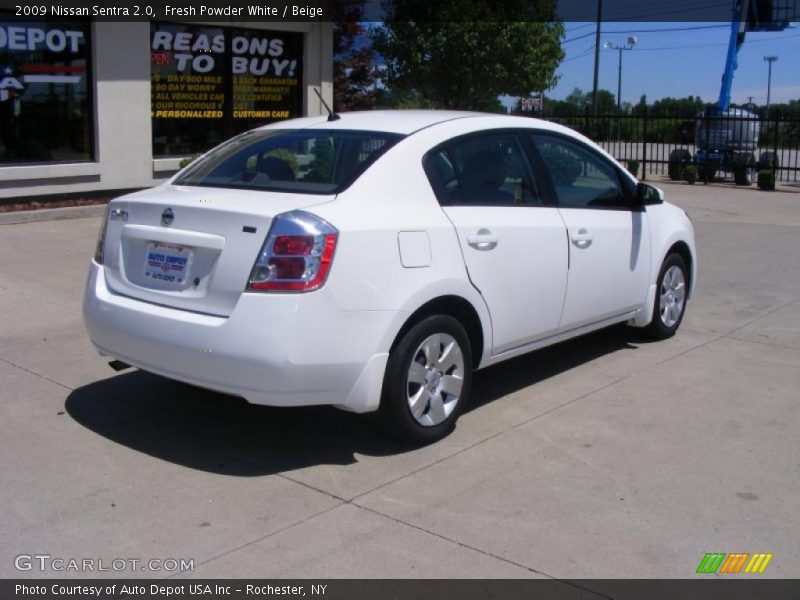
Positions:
(374, 261)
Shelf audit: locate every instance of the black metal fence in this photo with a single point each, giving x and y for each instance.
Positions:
(651, 137)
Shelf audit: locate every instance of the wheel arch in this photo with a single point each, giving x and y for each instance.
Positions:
(682, 249)
(454, 306)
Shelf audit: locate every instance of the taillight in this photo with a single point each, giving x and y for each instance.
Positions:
(297, 255)
(101, 239)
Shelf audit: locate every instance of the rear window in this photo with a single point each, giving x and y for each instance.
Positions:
(307, 161)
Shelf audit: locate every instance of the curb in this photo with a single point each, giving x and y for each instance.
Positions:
(52, 214)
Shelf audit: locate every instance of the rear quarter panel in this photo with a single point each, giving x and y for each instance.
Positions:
(391, 197)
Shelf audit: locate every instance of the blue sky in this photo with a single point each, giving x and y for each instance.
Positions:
(681, 62)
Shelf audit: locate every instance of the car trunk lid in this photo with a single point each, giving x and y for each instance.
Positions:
(191, 248)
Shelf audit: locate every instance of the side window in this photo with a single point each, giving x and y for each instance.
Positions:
(486, 170)
(581, 177)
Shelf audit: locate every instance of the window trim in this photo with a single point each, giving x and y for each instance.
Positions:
(629, 194)
(392, 139)
(531, 172)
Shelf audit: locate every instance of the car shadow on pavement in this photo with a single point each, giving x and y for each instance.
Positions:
(512, 375)
(221, 434)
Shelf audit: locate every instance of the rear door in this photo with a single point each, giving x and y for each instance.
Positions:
(513, 243)
(609, 234)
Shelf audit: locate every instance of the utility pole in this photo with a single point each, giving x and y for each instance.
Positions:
(770, 60)
(608, 45)
(597, 55)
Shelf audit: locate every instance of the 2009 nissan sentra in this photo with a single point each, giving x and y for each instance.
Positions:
(373, 262)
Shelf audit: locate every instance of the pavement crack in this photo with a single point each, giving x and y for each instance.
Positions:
(466, 546)
(263, 537)
(772, 344)
(36, 374)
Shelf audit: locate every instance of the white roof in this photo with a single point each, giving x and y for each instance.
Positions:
(406, 122)
(392, 121)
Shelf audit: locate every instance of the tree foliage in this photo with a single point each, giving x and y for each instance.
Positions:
(578, 102)
(463, 54)
(354, 65)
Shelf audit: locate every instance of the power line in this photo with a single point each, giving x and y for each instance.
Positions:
(778, 37)
(673, 10)
(580, 37)
(584, 26)
(583, 53)
(660, 30)
(645, 31)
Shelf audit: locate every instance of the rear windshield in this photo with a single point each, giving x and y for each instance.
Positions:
(307, 161)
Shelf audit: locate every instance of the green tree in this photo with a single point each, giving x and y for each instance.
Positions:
(606, 102)
(578, 98)
(463, 54)
(354, 70)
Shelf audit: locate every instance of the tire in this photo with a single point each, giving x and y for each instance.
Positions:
(427, 381)
(670, 301)
(743, 175)
(678, 159)
(702, 171)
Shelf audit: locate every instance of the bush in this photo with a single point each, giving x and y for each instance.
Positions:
(766, 179)
(187, 160)
(690, 174)
(633, 167)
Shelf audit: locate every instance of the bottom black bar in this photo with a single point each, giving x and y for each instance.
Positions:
(712, 588)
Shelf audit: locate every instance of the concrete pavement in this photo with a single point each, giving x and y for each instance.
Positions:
(606, 456)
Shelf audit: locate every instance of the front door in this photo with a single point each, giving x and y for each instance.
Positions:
(608, 233)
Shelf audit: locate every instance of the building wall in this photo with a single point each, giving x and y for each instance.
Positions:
(122, 123)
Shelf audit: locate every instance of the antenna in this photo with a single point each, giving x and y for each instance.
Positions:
(332, 116)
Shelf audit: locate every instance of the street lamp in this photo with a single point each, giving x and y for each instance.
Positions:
(629, 46)
(770, 60)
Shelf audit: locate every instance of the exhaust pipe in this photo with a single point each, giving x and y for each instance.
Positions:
(118, 365)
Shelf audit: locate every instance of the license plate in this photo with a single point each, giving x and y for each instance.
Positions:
(169, 263)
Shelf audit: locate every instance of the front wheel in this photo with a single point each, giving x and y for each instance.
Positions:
(670, 301)
(427, 381)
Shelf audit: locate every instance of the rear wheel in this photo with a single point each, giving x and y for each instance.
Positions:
(427, 381)
(670, 301)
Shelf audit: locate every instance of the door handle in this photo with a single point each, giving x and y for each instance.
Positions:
(582, 239)
(483, 240)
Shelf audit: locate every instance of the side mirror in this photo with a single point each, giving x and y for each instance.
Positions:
(649, 194)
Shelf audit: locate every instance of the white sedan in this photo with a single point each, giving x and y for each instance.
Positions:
(373, 262)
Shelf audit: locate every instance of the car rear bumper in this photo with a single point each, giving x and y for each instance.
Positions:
(274, 349)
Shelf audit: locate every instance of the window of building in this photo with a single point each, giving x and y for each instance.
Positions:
(45, 91)
(211, 83)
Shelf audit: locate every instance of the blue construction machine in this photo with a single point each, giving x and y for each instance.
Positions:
(727, 138)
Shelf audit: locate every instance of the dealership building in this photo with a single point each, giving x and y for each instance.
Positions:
(88, 106)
